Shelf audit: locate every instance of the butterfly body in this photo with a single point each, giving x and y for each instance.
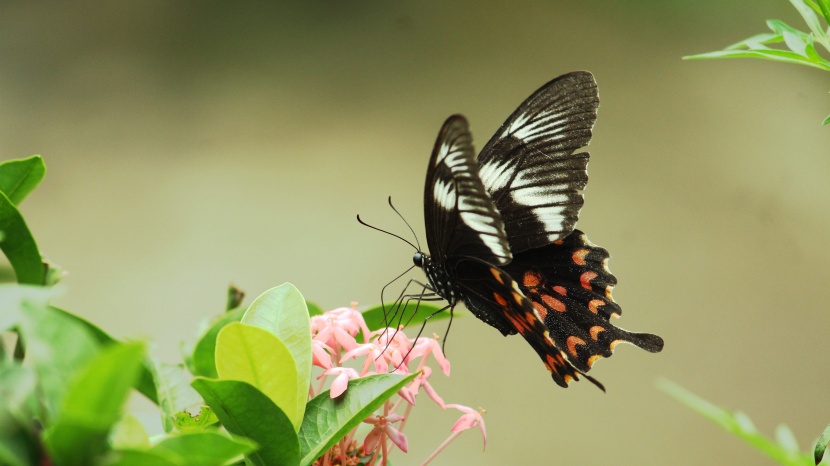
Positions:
(501, 237)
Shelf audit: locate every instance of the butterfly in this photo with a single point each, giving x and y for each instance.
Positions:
(501, 237)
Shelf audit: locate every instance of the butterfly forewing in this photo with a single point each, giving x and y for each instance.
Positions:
(461, 219)
(529, 166)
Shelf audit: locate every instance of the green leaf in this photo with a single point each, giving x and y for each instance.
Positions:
(328, 420)
(18, 244)
(58, 348)
(283, 312)
(139, 458)
(254, 355)
(783, 56)
(174, 391)
(235, 297)
(146, 384)
(738, 424)
(203, 448)
(313, 309)
(20, 176)
(247, 412)
(810, 18)
(202, 361)
(129, 432)
(821, 445)
(826, 120)
(19, 445)
(824, 7)
(92, 404)
(413, 314)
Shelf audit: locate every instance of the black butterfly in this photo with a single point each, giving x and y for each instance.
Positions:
(501, 234)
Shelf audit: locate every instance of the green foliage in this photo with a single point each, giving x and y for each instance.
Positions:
(783, 449)
(64, 382)
(410, 314)
(327, 420)
(801, 46)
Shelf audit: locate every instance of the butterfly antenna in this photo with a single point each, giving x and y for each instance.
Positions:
(388, 233)
(407, 223)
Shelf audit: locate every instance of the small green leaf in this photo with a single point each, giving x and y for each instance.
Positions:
(139, 458)
(821, 445)
(202, 361)
(328, 420)
(92, 404)
(18, 244)
(783, 56)
(413, 314)
(824, 7)
(810, 18)
(826, 120)
(247, 412)
(254, 355)
(786, 439)
(283, 312)
(20, 176)
(737, 423)
(186, 421)
(235, 297)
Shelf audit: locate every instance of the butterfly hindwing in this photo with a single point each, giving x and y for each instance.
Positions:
(570, 285)
(493, 296)
(529, 166)
(460, 217)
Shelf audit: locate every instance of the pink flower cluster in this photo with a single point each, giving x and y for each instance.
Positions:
(335, 341)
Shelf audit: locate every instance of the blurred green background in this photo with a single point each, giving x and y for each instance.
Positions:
(190, 145)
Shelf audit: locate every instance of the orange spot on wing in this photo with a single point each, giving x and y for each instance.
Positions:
(500, 299)
(518, 297)
(559, 242)
(579, 256)
(531, 279)
(561, 290)
(585, 279)
(594, 304)
(497, 275)
(568, 379)
(593, 359)
(613, 344)
(595, 331)
(554, 303)
(572, 341)
(542, 310)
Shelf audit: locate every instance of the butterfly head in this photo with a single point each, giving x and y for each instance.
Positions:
(419, 259)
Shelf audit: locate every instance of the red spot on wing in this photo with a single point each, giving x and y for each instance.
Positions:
(585, 279)
(579, 256)
(554, 303)
(500, 299)
(542, 310)
(561, 290)
(531, 279)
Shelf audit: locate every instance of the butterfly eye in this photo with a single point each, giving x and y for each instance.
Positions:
(418, 259)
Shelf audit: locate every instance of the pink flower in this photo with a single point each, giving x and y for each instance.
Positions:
(341, 382)
(471, 419)
(321, 354)
(408, 393)
(426, 346)
(384, 429)
(337, 328)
